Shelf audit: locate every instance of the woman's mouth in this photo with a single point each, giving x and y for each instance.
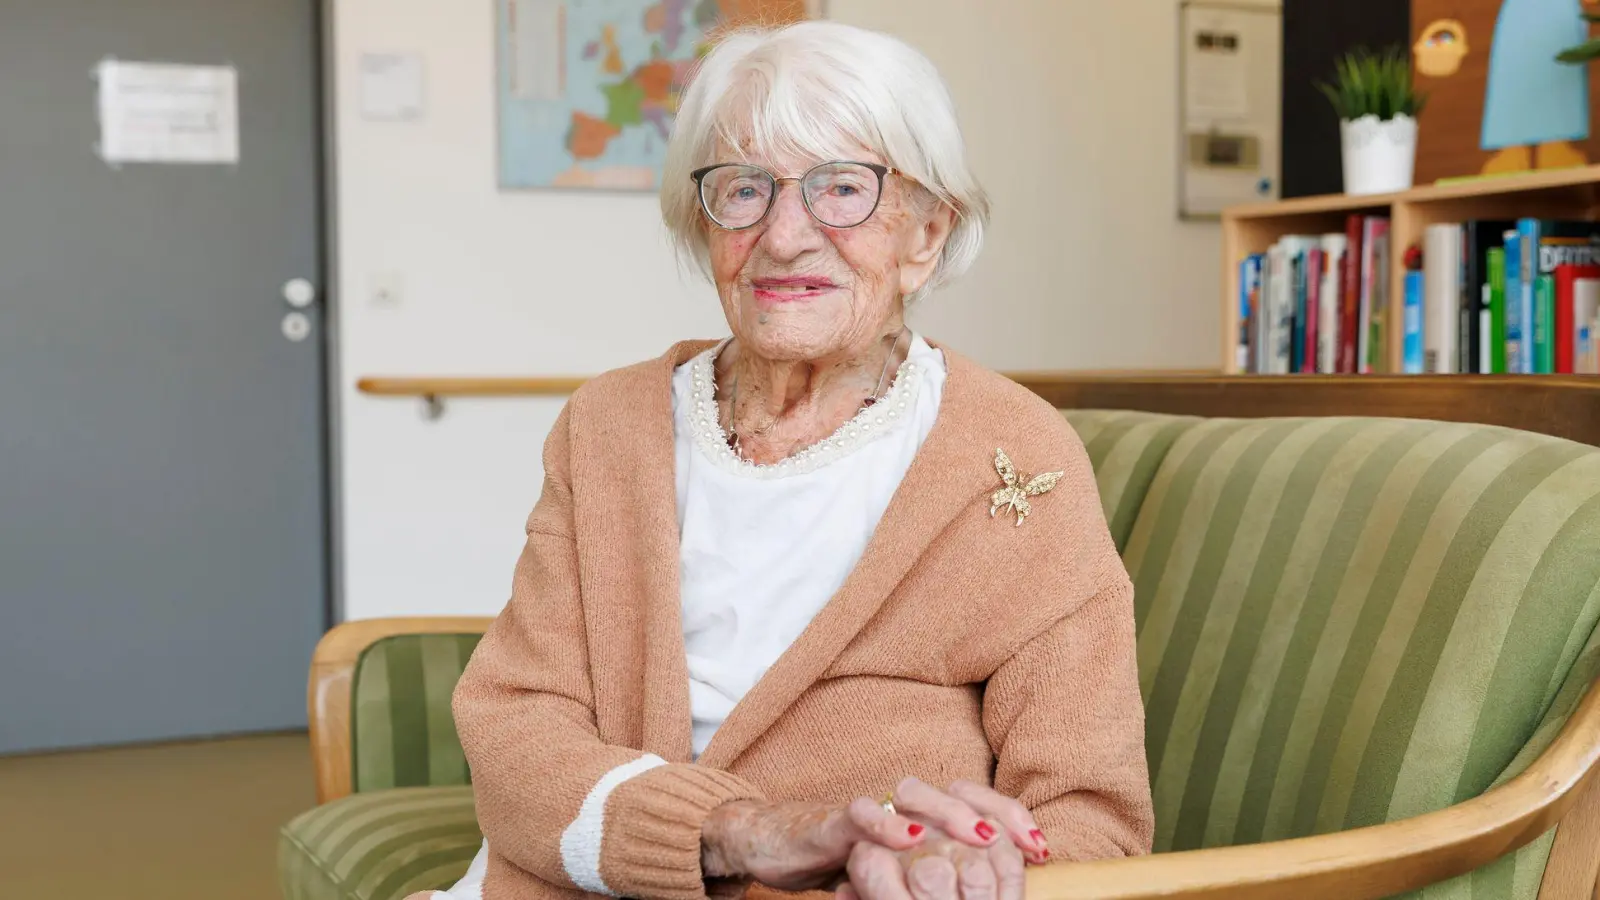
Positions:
(774, 291)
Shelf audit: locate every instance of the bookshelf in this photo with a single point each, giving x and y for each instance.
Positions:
(1556, 194)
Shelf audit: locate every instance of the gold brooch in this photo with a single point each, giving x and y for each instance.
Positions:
(1014, 496)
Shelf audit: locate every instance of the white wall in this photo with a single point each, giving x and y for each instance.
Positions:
(1087, 265)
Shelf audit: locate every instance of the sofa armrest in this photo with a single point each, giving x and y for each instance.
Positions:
(333, 665)
(1381, 860)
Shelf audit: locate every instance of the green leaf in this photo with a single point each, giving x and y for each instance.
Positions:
(1368, 83)
(1582, 53)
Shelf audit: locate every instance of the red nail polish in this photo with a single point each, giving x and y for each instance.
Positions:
(985, 831)
(1044, 854)
(914, 830)
(1037, 835)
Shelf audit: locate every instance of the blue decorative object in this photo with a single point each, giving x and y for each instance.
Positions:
(1533, 99)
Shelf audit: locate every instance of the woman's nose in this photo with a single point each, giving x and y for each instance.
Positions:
(790, 228)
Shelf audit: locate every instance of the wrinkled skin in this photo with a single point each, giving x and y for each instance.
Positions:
(804, 361)
(965, 842)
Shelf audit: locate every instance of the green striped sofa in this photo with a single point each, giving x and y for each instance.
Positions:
(1342, 622)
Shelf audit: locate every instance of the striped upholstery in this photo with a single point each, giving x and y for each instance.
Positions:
(1125, 448)
(402, 731)
(379, 846)
(1348, 621)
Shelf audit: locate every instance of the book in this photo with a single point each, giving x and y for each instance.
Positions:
(1316, 265)
(1349, 343)
(1373, 323)
(1544, 313)
(1571, 318)
(1496, 285)
(1332, 302)
(1586, 309)
(1297, 324)
(1513, 305)
(1249, 309)
(1441, 271)
(1411, 360)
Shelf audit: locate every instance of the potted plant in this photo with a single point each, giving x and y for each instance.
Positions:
(1377, 107)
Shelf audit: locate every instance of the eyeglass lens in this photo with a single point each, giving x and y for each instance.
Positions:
(839, 195)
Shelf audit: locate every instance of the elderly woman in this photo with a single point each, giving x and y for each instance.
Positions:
(790, 614)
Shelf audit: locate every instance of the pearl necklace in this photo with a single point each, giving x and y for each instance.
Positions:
(879, 415)
(733, 400)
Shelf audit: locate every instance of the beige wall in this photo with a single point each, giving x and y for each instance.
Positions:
(1069, 111)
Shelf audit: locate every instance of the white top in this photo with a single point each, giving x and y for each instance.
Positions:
(763, 548)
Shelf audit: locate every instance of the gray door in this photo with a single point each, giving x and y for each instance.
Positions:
(162, 443)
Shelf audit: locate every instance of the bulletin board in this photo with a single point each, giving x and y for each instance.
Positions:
(1230, 58)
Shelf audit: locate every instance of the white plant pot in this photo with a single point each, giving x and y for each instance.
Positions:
(1379, 156)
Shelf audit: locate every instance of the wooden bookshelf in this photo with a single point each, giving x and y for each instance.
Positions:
(1560, 193)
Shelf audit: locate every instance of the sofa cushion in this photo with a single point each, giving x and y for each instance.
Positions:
(403, 733)
(1349, 621)
(1125, 447)
(380, 845)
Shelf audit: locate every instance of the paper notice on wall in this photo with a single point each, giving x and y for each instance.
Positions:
(1218, 76)
(164, 113)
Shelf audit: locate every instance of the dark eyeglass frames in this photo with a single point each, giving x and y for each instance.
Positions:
(838, 194)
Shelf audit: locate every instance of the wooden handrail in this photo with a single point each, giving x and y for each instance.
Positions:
(561, 385)
(387, 386)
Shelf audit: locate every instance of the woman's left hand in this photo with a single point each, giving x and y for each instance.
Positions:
(945, 867)
(941, 868)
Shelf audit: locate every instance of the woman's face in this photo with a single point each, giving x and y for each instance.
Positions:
(795, 289)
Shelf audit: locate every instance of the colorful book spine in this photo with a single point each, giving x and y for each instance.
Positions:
(1496, 285)
(1349, 344)
(1312, 311)
(1297, 325)
(1544, 330)
(1374, 310)
(1411, 362)
(1586, 310)
(1528, 289)
(1249, 307)
(1513, 304)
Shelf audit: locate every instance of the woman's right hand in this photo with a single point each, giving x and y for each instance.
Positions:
(796, 846)
(799, 846)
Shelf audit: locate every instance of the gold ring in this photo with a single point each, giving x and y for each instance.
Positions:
(888, 803)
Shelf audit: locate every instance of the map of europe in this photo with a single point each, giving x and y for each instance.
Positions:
(588, 88)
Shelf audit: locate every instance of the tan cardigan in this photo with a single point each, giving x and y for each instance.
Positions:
(960, 646)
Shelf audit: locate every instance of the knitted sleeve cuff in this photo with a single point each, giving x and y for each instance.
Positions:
(650, 831)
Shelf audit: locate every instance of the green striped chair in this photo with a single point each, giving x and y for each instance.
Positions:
(395, 811)
(1364, 646)
(1345, 622)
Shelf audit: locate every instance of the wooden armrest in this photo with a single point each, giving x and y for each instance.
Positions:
(1373, 862)
(333, 665)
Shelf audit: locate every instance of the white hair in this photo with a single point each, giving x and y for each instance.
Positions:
(821, 90)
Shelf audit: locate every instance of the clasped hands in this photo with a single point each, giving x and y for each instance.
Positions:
(964, 842)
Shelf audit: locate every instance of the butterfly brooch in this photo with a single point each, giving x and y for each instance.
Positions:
(1018, 488)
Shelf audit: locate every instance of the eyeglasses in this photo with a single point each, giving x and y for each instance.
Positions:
(837, 194)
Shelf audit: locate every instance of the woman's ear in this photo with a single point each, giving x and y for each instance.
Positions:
(925, 245)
